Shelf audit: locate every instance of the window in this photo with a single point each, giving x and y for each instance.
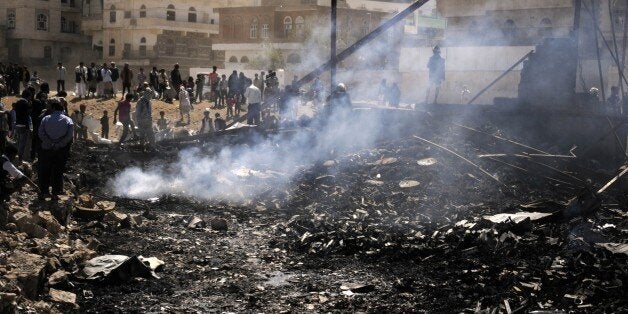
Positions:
(233, 59)
(192, 15)
(143, 47)
(545, 29)
(244, 59)
(42, 22)
(142, 11)
(112, 14)
(170, 47)
(64, 25)
(299, 24)
(287, 26)
(546, 22)
(253, 29)
(47, 52)
(510, 28)
(66, 52)
(171, 14)
(11, 19)
(112, 47)
(211, 21)
(127, 14)
(265, 31)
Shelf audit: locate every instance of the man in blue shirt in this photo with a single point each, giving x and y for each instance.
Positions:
(55, 132)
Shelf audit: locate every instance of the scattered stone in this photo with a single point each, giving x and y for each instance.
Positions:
(48, 221)
(63, 297)
(405, 184)
(197, 223)
(29, 272)
(219, 224)
(59, 278)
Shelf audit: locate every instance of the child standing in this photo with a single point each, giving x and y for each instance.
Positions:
(162, 123)
(104, 125)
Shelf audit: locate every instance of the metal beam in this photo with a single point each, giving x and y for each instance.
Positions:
(333, 40)
(500, 77)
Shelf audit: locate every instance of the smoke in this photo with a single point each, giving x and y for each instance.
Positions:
(239, 172)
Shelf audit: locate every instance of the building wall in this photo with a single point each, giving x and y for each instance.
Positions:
(60, 40)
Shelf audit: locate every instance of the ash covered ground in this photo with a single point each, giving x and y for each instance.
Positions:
(397, 226)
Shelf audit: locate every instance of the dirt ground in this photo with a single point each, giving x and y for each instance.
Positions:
(395, 227)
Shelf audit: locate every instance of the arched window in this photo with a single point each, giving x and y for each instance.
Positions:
(265, 31)
(509, 24)
(143, 46)
(171, 13)
(294, 58)
(233, 59)
(244, 59)
(192, 15)
(253, 28)
(226, 27)
(287, 26)
(237, 28)
(42, 22)
(112, 47)
(545, 29)
(299, 24)
(142, 11)
(47, 52)
(546, 22)
(112, 14)
(11, 20)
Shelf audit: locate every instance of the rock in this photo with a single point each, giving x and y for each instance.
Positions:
(26, 223)
(115, 217)
(52, 264)
(196, 222)
(219, 224)
(85, 200)
(138, 219)
(29, 272)
(48, 221)
(63, 296)
(128, 222)
(59, 278)
(405, 184)
(427, 162)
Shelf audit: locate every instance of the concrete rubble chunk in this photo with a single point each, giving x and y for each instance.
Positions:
(29, 272)
(58, 278)
(63, 296)
(48, 221)
(115, 216)
(26, 223)
(197, 222)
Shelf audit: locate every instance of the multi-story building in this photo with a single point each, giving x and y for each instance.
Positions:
(156, 32)
(43, 33)
(295, 35)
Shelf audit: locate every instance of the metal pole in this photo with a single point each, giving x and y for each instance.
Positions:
(500, 77)
(597, 50)
(623, 55)
(612, 19)
(334, 35)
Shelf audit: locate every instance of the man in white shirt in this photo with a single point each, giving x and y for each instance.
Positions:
(60, 77)
(80, 73)
(254, 99)
(106, 81)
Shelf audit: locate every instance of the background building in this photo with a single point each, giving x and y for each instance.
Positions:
(157, 32)
(41, 33)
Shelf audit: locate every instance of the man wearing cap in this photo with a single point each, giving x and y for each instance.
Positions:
(55, 132)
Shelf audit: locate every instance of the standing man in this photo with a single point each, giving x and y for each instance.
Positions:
(60, 77)
(141, 78)
(92, 75)
(175, 77)
(22, 122)
(81, 80)
(56, 132)
(127, 79)
(123, 111)
(436, 67)
(144, 112)
(115, 75)
(153, 79)
(200, 83)
(254, 98)
(214, 78)
(107, 82)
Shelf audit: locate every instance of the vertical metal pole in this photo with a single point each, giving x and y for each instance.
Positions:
(334, 21)
(619, 70)
(597, 51)
(623, 55)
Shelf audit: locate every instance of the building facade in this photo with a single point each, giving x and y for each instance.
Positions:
(294, 35)
(156, 32)
(42, 33)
